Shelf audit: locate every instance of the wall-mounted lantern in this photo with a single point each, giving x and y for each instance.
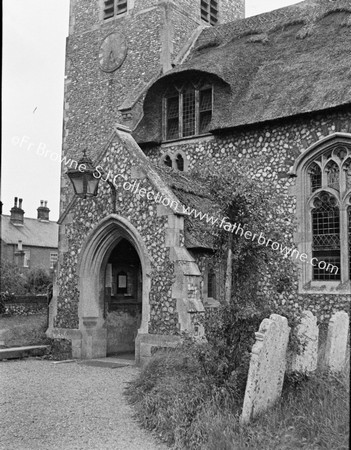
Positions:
(82, 177)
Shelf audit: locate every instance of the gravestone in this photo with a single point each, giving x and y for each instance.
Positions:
(335, 353)
(307, 332)
(267, 366)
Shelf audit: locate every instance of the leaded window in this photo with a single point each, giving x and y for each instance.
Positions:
(332, 171)
(205, 109)
(326, 236)
(315, 177)
(209, 11)
(188, 111)
(329, 203)
(173, 118)
(114, 8)
(211, 285)
(347, 170)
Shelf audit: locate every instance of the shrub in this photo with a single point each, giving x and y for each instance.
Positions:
(38, 280)
(187, 408)
(12, 281)
(2, 304)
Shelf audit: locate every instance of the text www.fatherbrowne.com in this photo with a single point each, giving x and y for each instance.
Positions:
(238, 229)
(135, 188)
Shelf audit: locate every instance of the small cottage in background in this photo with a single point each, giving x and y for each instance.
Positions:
(27, 242)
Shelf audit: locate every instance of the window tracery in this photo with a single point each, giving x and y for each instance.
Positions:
(327, 205)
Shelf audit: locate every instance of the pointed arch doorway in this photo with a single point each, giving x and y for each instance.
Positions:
(123, 298)
(114, 285)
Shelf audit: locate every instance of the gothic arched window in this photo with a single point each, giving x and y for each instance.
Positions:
(180, 163)
(324, 214)
(167, 160)
(332, 171)
(315, 176)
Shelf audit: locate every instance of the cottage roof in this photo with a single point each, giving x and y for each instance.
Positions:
(33, 233)
(287, 62)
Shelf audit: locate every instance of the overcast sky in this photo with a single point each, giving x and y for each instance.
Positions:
(33, 72)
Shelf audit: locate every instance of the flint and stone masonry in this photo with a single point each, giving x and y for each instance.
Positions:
(126, 278)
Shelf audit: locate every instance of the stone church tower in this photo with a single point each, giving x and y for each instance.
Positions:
(119, 257)
(115, 50)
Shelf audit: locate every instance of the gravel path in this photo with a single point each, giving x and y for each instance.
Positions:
(66, 407)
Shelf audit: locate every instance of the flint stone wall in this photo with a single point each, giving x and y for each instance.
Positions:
(277, 146)
(145, 216)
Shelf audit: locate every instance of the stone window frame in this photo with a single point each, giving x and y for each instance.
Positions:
(206, 6)
(173, 158)
(179, 91)
(305, 197)
(26, 258)
(129, 6)
(211, 275)
(210, 302)
(53, 259)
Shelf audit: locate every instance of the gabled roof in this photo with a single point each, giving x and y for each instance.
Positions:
(279, 64)
(177, 186)
(33, 233)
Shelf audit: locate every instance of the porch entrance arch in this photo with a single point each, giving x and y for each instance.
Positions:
(98, 254)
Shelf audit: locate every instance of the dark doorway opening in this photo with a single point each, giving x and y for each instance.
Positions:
(123, 299)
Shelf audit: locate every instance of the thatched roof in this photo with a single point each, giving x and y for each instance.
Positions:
(193, 195)
(280, 64)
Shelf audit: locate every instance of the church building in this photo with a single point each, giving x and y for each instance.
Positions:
(153, 88)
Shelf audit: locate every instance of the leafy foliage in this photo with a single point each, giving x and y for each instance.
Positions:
(192, 396)
(12, 281)
(256, 206)
(38, 280)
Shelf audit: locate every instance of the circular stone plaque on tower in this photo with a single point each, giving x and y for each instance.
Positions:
(113, 51)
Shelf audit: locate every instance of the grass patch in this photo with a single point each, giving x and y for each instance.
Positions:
(30, 330)
(24, 330)
(189, 409)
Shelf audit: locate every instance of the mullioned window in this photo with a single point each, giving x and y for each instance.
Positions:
(187, 110)
(209, 11)
(324, 213)
(114, 8)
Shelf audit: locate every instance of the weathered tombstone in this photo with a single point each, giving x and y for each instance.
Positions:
(335, 353)
(307, 332)
(267, 366)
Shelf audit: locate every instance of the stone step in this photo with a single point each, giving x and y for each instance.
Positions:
(23, 352)
(108, 362)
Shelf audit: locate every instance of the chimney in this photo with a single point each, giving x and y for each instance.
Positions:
(43, 211)
(17, 213)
